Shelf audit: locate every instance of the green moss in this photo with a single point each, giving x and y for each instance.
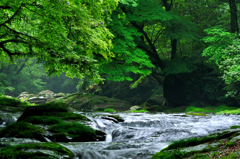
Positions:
(176, 154)
(235, 127)
(85, 133)
(14, 102)
(196, 114)
(191, 142)
(109, 110)
(46, 120)
(237, 111)
(13, 152)
(230, 144)
(100, 109)
(69, 116)
(44, 109)
(22, 130)
(211, 109)
(139, 111)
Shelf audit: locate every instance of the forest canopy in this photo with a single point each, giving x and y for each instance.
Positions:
(167, 40)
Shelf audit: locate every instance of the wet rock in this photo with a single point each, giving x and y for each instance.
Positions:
(156, 100)
(96, 102)
(46, 93)
(72, 132)
(38, 100)
(101, 136)
(23, 96)
(43, 110)
(117, 117)
(135, 107)
(110, 118)
(8, 119)
(59, 95)
(22, 130)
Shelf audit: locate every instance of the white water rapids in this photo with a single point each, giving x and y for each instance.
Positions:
(141, 135)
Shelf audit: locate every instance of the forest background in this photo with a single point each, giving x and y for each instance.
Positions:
(188, 49)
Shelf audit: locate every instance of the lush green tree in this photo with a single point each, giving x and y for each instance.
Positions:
(63, 34)
(21, 75)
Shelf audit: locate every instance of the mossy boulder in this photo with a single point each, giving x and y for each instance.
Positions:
(46, 93)
(47, 150)
(13, 102)
(44, 109)
(156, 100)
(59, 124)
(22, 130)
(74, 132)
(217, 144)
(96, 102)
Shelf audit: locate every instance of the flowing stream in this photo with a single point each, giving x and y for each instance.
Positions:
(141, 135)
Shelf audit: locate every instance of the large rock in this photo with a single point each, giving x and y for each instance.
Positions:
(157, 103)
(46, 93)
(156, 100)
(38, 100)
(36, 150)
(23, 96)
(135, 96)
(54, 121)
(96, 102)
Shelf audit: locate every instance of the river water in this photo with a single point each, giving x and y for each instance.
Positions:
(141, 135)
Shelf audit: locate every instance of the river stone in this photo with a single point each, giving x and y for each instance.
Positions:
(46, 93)
(39, 150)
(156, 100)
(37, 100)
(235, 139)
(23, 96)
(8, 120)
(135, 107)
(59, 95)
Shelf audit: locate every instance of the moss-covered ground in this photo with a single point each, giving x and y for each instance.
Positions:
(24, 151)
(10, 104)
(80, 131)
(96, 102)
(22, 130)
(225, 145)
(214, 109)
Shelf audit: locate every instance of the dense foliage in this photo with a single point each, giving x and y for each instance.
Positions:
(160, 39)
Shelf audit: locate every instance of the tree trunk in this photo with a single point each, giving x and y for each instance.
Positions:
(174, 49)
(234, 23)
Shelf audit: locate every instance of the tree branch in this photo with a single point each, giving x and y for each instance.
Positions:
(5, 7)
(7, 21)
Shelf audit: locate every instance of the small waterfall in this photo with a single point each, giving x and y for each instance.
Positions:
(142, 135)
